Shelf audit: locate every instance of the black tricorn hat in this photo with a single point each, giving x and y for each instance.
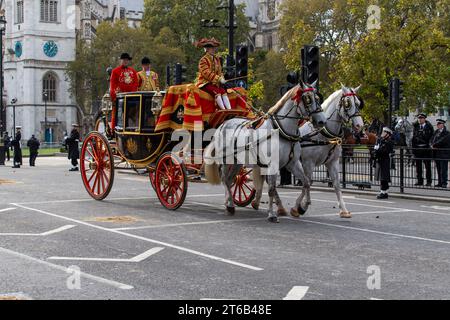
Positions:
(146, 60)
(125, 56)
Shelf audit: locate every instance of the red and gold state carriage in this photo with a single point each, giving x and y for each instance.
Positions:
(142, 137)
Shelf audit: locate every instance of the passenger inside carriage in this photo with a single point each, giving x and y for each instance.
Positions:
(210, 75)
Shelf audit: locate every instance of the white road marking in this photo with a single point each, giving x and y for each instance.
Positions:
(432, 207)
(188, 224)
(114, 199)
(66, 270)
(43, 234)
(296, 293)
(7, 209)
(369, 230)
(138, 258)
(375, 299)
(201, 254)
(360, 213)
(369, 200)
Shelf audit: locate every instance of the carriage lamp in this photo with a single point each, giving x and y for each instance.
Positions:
(157, 103)
(106, 102)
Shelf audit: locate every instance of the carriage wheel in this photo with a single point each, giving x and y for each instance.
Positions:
(171, 181)
(242, 188)
(97, 166)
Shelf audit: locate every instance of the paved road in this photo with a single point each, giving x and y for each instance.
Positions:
(51, 232)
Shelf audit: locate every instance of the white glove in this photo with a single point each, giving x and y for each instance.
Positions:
(222, 80)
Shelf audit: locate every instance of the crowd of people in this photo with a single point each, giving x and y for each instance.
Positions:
(428, 144)
(14, 144)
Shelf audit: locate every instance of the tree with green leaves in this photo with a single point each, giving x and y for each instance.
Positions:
(411, 43)
(89, 80)
(183, 17)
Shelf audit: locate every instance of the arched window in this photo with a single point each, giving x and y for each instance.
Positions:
(49, 10)
(19, 11)
(49, 86)
(87, 30)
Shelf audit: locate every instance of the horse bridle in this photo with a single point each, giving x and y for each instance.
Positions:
(298, 97)
(345, 103)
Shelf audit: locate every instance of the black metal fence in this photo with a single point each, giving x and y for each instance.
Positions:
(358, 169)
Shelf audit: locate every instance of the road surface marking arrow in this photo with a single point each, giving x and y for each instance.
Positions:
(296, 293)
(138, 258)
(7, 209)
(67, 227)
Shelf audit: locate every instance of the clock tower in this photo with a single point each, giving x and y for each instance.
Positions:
(40, 42)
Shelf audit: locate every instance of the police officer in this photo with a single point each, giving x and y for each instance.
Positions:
(17, 148)
(423, 131)
(72, 142)
(33, 144)
(440, 143)
(383, 149)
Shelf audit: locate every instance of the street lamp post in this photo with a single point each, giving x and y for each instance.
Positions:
(45, 95)
(13, 102)
(2, 111)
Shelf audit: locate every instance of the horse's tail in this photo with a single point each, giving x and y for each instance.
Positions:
(212, 173)
(258, 179)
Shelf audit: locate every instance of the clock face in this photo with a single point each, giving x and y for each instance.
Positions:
(18, 49)
(50, 49)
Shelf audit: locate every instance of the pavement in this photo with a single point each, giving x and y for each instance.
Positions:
(58, 243)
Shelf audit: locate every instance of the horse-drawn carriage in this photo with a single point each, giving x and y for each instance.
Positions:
(141, 136)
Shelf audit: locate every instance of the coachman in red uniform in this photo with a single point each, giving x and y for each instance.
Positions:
(123, 79)
(210, 75)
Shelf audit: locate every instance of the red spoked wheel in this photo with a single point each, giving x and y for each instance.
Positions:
(97, 166)
(242, 188)
(171, 181)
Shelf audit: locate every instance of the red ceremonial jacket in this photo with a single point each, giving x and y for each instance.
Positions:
(123, 79)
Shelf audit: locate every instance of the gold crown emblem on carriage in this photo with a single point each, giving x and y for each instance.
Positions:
(132, 146)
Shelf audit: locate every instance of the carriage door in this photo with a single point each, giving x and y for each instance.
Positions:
(132, 113)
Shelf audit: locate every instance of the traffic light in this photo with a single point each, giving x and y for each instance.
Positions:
(310, 56)
(395, 93)
(242, 66)
(180, 70)
(293, 78)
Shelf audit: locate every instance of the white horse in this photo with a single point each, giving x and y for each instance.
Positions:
(299, 103)
(322, 147)
(406, 131)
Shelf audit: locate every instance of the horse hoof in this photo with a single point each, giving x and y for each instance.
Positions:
(294, 213)
(301, 211)
(282, 212)
(255, 205)
(273, 219)
(230, 210)
(345, 215)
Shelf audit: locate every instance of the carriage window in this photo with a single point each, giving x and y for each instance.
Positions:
(148, 119)
(132, 113)
(119, 117)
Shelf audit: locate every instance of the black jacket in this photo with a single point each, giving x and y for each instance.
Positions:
(440, 142)
(16, 142)
(33, 144)
(382, 154)
(72, 143)
(421, 138)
